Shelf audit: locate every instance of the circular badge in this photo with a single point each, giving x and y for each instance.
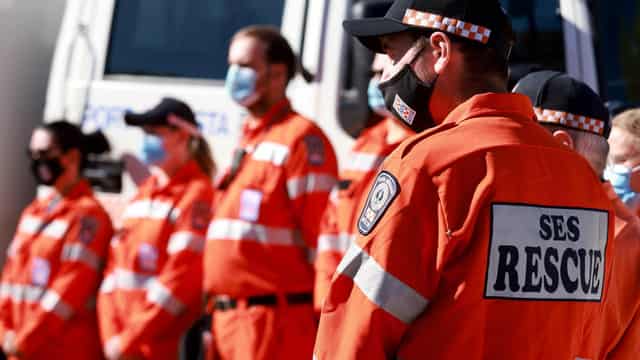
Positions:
(380, 196)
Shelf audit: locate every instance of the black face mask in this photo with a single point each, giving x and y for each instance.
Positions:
(407, 97)
(46, 171)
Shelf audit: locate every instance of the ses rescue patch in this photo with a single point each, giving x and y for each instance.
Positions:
(384, 190)
(546, 253)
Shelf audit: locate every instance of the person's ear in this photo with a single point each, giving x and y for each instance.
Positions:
(278, 73)
(440, 50)
(71, 158)
(564, 138)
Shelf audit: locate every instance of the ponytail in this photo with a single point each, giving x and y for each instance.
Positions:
(201, 153)
(69, 136)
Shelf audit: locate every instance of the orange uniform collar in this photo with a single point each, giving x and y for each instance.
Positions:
(492, 104)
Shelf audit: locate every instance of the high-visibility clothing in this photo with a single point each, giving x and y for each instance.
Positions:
(618, 335)
(337, 229)
(51, 276)
(469, 232)
(151, 292)
(262, 238)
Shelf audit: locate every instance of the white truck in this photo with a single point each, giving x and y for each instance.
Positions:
(118, 55)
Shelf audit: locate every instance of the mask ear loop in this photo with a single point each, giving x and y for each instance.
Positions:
(409, 58)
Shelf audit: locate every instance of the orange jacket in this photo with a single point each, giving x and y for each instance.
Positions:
(152, 286)
(468, 234)
(263, 235)
(618, 337)
(51, 276)
(337, 229)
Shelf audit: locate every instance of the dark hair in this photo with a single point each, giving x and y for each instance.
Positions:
(68, 136)
(201, 153)
(277, 48)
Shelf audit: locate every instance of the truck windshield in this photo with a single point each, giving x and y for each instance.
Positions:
(618, 46)
(176, 38)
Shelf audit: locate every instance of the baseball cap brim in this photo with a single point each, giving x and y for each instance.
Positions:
(144, 119)
(369, 30)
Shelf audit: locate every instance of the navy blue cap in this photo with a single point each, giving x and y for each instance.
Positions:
(159, 114)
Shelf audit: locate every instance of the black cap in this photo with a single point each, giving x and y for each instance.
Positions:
(476, 20)
(159, 115)
(561, 100)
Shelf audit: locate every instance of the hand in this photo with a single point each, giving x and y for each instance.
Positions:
(112, 348)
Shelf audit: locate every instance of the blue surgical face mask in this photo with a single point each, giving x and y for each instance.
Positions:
(620, 178)
(152, 151)
(376, 98)
(240, 83)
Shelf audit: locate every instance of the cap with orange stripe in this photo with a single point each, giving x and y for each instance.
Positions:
(481, 21)
(561, 100)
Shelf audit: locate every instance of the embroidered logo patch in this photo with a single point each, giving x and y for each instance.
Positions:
(148, 257)
(40, 271)
(404, 111)
(88, 229)
(384, 191)
(315, 149)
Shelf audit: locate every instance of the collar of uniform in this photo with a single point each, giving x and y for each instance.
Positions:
(492, 104)
(272, 115)
(54, 202)
(187, 172)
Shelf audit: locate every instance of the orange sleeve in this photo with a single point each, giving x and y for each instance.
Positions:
(385, 279)
(74, 285)
(108, 321)
(311, 173)
(629, 345)
(177, 290)
(325, 263)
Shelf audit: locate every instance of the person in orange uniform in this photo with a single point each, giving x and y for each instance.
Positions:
(151, 292)
(578, 118)
(258, 265)
(54, 263)
(474, 240)
(337, 229)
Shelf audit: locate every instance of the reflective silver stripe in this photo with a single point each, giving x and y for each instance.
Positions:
(108, 283)
(360, 161)
(271, 152)
(125, 280)
(380, 287)
(30, 225)
(51, 302)
(228, 229)
(56, 229)
(21, 293)
(339, 242)
(185, 240)
(79, 252)
(150, 209)
(310, 184)
(158, 294)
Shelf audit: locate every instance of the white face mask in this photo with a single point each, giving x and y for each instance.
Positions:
(240, 84)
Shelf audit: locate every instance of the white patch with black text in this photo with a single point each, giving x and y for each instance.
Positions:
(383, 192)
(250, 201)
(546, 253)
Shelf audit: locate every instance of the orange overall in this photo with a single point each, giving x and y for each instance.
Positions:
(152, 286)
(337, 229)
(261, 241)
(475, 243)
(52, 274)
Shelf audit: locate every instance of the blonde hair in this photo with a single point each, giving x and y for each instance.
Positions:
(630, 121)
(201, 153)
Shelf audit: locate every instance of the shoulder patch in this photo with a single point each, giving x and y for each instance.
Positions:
(384, 190)
(88, 229)
(315, 150)
(200, 215)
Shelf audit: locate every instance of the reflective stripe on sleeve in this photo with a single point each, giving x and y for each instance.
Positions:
(32, 225)
(185, 240)
(333, 242)
(228, 229)
(158, 294)
(363, 162)
(311, 183)
(56, 229)
(79, 252)
(271, 152)
(125, 280)
(21, 293)
(380, 287)
(51, 302)
(150, 209)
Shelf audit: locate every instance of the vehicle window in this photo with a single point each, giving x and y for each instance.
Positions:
(618, 47)
(539, 36)
(176, 38)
